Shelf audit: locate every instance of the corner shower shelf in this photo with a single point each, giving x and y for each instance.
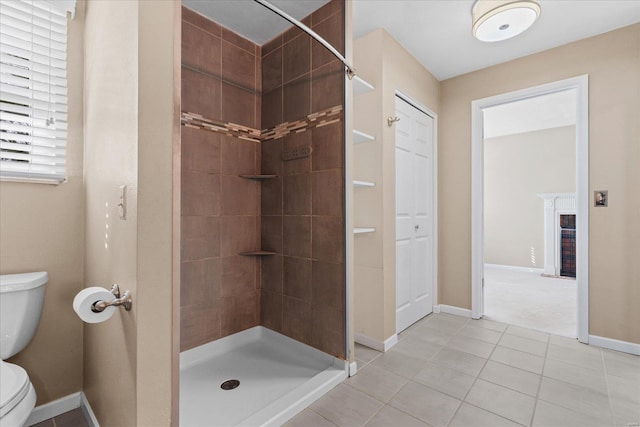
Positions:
(258, 176)
(360, 137)
(257, 253)
(360, 86)
(361, 230)
(360, 184)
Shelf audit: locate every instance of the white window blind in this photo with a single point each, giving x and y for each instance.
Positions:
(33, 89)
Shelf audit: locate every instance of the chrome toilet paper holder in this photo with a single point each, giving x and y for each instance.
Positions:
(125, 301)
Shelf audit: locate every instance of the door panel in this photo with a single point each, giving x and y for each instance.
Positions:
(414, 214)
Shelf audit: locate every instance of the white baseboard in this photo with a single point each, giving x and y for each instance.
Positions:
(353, 368)
(514, 268)
(62, 405)
(88, 412)
(54, 408)
(376, 344)
(449, 309)
(617, 345)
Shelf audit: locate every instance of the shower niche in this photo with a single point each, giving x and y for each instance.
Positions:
(263, 227)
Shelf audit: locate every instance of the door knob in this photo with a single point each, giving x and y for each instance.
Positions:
(416, 227)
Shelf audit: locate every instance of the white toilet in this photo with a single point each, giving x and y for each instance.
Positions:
(21, 298)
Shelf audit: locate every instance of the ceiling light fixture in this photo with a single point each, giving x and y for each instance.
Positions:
(497, 20)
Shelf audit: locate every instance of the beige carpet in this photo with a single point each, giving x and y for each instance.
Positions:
(530, 300)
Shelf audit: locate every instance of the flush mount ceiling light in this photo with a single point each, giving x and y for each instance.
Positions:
(497, 20)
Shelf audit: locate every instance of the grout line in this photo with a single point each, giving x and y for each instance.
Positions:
(608, 389)
(544, 363)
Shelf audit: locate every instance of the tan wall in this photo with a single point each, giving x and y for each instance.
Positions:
(130, 362)
(612, 61)
(516, 169)
(380, 60)
(42, 230)
(111, 160)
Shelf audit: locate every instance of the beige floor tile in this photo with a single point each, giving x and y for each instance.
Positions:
(444, 324)
(518, 359)
(611, 355)
(471, 346)
(576, 356)
(346, 406)
(424, 333)
(502, 401)
(460, 361)
(550, 415)
(576, 398)
(426, 404)
(576, 375)
(527, 333)
(471, 416)
(621, 368)
(479, 333)
(413, 347)
(446, 380)
(390, 416)
(399, 363)
(451, 317)
(510, 377)
(309, 418)
(625, 412)
(572, 343)
(365, 354)
(624, 388)
(378, 383)
(488, 324)
(527, 345)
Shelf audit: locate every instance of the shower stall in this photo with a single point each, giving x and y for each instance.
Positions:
(263, 284)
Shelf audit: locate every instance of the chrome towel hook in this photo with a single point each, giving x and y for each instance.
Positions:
(392, 119)
(125, 300)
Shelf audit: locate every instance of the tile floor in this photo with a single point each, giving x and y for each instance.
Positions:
(453, 371)
(530, 300)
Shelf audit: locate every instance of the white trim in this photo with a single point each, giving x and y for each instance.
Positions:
(581, 85)
(457, 311)
(353, 368)
(88, 412)
(434, 189)
(436, 308)
(617, 345)
(514, 268)
(54, 408)
(383, 346)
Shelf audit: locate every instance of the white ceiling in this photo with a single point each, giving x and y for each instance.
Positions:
(438, 32)
(250, 19)
(542, 112)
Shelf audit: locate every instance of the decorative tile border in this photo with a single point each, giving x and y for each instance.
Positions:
(313, 120)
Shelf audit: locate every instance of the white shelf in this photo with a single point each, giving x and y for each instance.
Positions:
(360, 86)
(362, 230)
(360, 184)
(360, 137)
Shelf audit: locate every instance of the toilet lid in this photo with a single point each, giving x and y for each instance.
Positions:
(13, 387)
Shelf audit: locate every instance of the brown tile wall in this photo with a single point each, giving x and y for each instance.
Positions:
(303, 286)
(221, 80)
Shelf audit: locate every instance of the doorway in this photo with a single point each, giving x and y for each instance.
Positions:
(415, 219)
(580, 198)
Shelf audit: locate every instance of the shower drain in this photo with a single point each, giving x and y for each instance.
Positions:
(229, 384)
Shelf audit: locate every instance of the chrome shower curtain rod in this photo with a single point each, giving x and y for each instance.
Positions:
(351, 72)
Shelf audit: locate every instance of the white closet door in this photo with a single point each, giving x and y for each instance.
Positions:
(414, 214)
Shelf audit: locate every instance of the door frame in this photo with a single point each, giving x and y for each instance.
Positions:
(434, 189)
(581, 85)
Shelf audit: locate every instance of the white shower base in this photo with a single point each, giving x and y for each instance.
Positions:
(278, 378)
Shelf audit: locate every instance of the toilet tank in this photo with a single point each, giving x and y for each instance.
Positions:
(21, 298)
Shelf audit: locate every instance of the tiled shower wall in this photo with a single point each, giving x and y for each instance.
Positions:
(303, 285)
(220, 211)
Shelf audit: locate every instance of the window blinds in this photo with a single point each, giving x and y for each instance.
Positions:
(33, 89)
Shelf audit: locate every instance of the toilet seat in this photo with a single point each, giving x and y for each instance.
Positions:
(15, 386)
